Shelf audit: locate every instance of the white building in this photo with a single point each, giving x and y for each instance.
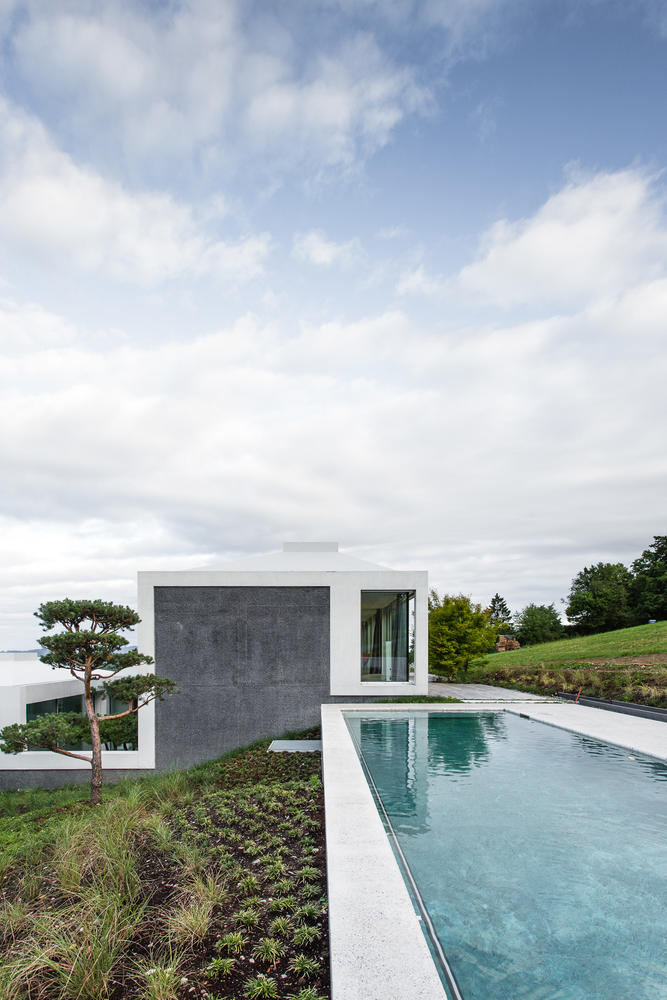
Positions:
(255, 648)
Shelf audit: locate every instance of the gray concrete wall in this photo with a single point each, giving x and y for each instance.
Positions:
(250, 662)
(56, 779)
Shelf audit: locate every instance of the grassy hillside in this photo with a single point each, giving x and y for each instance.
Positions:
(208, 883)
(638, 643)
(629, 665)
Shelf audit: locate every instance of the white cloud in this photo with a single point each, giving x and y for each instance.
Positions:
(66, 212)
(465, 27)
(471, 27)
(384, 432)
(207, 76)
(417, 281)
(483, 117)
(418, 442)
(315, 248)
(392, 232)
(160, 77)
(47, 560)
(643, 307)
(29, 329)
(346, 106)
(596, 237)
(371, 349)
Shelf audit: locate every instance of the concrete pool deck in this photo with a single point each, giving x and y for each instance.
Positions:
(378, 948)
(481, 692)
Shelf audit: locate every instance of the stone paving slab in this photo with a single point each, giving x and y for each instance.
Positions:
(295, 746)
(482, 692)
(378, 947)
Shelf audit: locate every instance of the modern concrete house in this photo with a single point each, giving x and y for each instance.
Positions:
(255, 648)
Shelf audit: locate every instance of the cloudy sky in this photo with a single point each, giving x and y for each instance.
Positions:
(390, 272)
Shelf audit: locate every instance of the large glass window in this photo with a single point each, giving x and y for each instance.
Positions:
(36, 708)
(73, 703)
(386, 620)
(121, 734)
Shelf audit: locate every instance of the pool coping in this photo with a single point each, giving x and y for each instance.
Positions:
(377, 946)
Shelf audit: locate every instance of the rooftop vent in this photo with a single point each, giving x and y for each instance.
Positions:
(310, 546)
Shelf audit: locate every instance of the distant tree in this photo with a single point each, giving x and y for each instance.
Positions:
(649, 586)
(500, 615)
(600, 598)
(90, 649)
(458, 630)
(434, 600)
(538, 623)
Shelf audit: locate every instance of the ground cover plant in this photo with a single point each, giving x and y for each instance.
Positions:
(206, 883)
(626, 665)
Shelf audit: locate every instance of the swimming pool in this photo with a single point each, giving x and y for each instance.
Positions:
(539, 854)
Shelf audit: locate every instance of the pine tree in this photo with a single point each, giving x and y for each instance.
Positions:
(500, 614)
(90, 649)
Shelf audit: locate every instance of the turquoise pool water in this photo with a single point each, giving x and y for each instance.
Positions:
(540, 855)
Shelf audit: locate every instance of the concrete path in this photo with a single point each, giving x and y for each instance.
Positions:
(482, 692)
(378, 946)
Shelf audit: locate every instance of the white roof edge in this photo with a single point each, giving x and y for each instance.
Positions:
(298, 561)
(295, 557)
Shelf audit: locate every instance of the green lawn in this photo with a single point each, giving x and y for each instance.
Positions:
(565, 666)
(202, 883)
(637, 642)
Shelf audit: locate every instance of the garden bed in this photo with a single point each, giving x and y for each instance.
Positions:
(645, 685)
(209, 883)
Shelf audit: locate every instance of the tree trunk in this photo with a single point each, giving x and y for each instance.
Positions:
(96, 756)
(96, 763)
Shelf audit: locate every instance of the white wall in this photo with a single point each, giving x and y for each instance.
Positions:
(23, 680)
(345, 631)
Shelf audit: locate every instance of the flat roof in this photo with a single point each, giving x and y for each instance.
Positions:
(299, 560)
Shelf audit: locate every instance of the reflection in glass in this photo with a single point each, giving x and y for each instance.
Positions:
(385, 634)
(57, 706)
(118, 734)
